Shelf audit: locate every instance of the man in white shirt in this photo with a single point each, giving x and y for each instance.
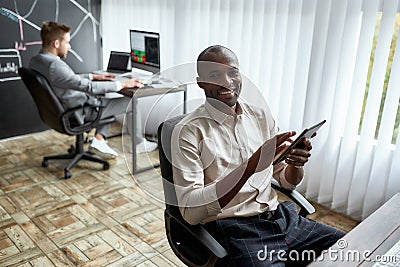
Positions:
(222, 155)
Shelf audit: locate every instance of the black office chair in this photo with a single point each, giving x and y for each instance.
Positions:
(62, 120)
(192, 244)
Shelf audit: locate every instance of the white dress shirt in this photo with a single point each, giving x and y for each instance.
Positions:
(208, 145)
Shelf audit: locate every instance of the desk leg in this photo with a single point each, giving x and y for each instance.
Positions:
(184, 101)
(133, 137)
(134, 117)
(135, 169)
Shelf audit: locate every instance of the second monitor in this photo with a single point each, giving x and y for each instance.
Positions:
(145, 50)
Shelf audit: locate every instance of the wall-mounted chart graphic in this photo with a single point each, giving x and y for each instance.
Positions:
(21, 22)
(10, 61)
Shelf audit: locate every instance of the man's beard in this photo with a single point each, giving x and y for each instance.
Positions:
(63, 55)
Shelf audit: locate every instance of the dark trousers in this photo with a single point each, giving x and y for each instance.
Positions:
(285, 239)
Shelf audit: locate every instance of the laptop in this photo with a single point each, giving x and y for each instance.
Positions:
(118, 62)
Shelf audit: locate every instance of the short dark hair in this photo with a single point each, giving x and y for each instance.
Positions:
(53, 31)
(214, 49)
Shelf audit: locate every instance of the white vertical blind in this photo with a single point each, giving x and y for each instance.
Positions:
(321, 26)
(364, 157)
(383, 156)
(310, 60)
(290, 51)
(268, 33)
(346, 161)
(337, 86)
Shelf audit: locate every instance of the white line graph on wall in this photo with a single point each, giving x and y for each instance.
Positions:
(22, 44)
(10, 60)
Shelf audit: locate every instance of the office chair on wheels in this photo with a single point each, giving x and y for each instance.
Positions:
(192, 244)
(62, 120)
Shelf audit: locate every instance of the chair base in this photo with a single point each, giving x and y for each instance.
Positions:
(76, 154)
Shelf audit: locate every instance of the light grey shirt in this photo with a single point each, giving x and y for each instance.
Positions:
(208, 145)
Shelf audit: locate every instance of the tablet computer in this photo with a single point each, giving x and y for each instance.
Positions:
(307, 133)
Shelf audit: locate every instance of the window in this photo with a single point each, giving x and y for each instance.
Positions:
(387, 76)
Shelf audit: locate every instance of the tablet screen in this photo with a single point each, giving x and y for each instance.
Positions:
(307, 133)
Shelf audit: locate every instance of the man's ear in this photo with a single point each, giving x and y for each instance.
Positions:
(56, 43)
(200, 83)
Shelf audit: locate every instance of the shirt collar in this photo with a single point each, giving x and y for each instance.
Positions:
(47, 53)
(220, 116)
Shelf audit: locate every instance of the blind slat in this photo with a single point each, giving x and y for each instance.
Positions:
(342, 85)
(349, 142)
(277, 59)
(289, 67)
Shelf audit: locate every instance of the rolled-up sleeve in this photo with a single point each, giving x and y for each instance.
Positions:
(196, 200)
(279, 175)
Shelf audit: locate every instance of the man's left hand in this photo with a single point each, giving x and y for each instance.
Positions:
(299, 155)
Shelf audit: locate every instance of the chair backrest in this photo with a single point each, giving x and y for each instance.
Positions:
(192, 244)
(47, 103)
(164, 144)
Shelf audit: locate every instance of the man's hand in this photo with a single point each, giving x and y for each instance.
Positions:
(281, 140)
(103, 76)
(296, 158)
(272, 147)
(299, 155)
(131, 83)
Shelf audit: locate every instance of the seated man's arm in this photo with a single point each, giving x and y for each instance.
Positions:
(198, 201)
(281, 174)
(291, 173)
(102, 76)
(62, 76)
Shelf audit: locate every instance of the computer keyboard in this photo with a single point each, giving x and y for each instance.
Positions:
(391, 257)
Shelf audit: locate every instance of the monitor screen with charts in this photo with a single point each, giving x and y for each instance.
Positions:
(145, 50)
(118, 62)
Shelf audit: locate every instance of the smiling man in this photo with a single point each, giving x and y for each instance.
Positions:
(222, 163)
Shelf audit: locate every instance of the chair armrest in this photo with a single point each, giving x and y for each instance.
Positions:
(73, 130)
(199, 232)
(305, 206)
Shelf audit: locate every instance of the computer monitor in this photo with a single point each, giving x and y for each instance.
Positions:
(145, 50)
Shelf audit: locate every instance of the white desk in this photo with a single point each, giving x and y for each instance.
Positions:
(377, 233)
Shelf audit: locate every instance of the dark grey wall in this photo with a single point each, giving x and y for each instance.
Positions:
(20, 23)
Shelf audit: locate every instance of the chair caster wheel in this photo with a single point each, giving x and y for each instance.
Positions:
(45, 163)
(106, 166)
(67, 175)
(71, 150)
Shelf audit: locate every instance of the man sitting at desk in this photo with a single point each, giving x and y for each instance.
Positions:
(75, 90)
(222, 154)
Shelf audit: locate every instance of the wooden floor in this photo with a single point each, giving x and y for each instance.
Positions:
(96, 218)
